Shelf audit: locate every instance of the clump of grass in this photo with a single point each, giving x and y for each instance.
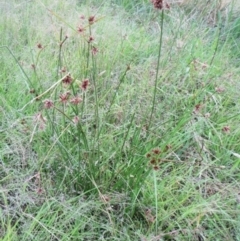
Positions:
(79, 158)
(72, 119)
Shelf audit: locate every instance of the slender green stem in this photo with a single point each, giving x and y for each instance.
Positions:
(114, 96)
(157, 71)
(96, 110)
(217, 43)
(156, 201)
(128, 130)
(19, 65)
(117, 89)
(59, 54)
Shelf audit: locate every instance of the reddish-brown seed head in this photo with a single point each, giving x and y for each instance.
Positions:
(85, 84)
(91, 19)
(64, 97)
(76, 100)
(67, 80)
(48, 104)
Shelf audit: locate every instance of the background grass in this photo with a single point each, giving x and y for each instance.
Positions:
(95, 179)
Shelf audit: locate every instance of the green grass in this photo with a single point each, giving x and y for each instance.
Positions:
(148, 151)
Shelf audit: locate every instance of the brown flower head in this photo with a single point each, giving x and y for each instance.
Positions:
(76, 100)
(48, 104)
(226, 129)
(81, 29)
(90, 39)
(67, 80)
(94, 50)
(160, 4)
(64, 97)
(82, 17)
(63, 70)
(76, 119)
(85, 84)
(197, 108)
(40, 190)
(148, 155)
(39, 46)
(168, 147)
(156, 151)
(91, 19)
(153, 161)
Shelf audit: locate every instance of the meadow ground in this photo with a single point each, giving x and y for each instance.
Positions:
(119, 121)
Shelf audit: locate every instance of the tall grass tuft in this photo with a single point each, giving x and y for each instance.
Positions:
(119, 120)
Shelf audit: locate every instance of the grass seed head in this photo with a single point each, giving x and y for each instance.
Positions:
(76, 100)
(91, 19)
(160, 4)
(226, 129)
(153, 161)
(76, 119)
(90, 39)
(48, 104)
(81, 29)
(148, 155)
(39, 46)
(67, 80)
(94, 50)
(85, 84)
(156, 151)
(64, 97)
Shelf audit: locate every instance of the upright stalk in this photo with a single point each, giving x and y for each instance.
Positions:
(217, 41)
(157, 70)
(28, 82)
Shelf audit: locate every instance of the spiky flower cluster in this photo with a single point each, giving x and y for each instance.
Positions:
(154, 158)
(72, 93)
(66, 98)
(85, 24)
(67, 80)
(160, 4)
